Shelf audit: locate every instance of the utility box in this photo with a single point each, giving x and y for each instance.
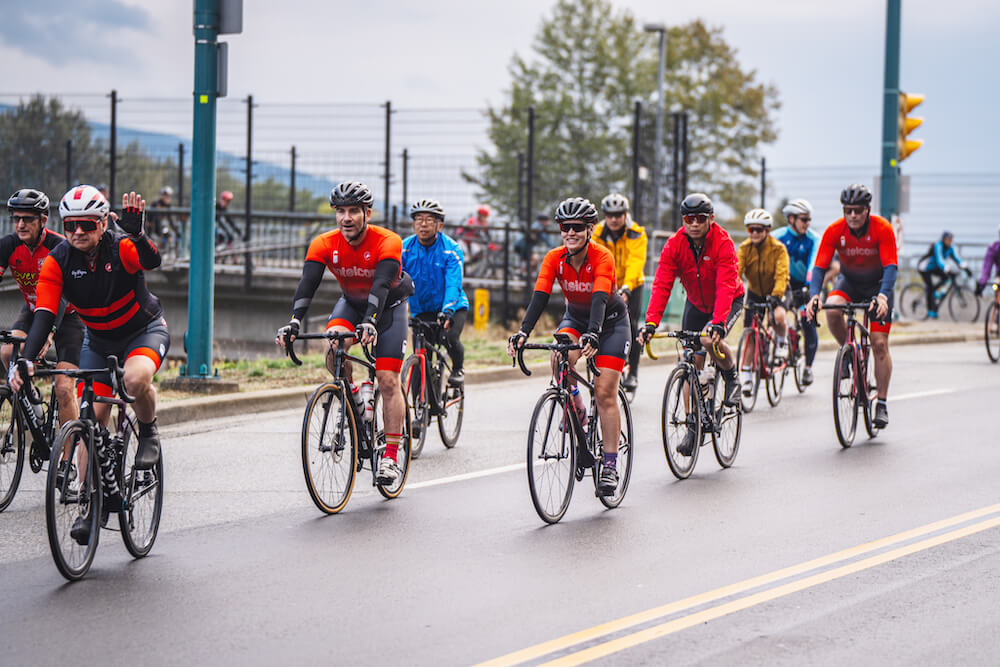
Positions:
(230, 17)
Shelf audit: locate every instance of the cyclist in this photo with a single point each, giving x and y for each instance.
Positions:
(367, 262)
(24, 252)
(703, 256)
(932, 265)
(100, 274)
(627, 242)
(802, 244)
(596, 317)
(763, 262)
(475, 233)
(434, 262)
(991, 266)
(866, 245)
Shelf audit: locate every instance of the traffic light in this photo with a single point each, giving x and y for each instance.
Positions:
(905, 147)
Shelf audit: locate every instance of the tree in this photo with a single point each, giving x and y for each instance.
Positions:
(591, 64)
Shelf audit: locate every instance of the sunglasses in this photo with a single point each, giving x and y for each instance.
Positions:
(854, 210)
(572, 226)
(700, 218)
(26, 219)
(755, 230)
(85, 225)
(803, 218)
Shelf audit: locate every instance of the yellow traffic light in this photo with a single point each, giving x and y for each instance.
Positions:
(907, 103)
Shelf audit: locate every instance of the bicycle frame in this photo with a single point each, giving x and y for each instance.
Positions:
(429, 353)
(859, 338)
(759, 331)
(686, 358)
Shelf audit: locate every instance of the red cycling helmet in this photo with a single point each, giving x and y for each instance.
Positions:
(483, 211)
(226, 195)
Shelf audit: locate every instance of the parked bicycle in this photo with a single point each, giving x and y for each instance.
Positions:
(992, 328)
(562, 448)
(340, 436)
(25, 418)
(693, 406)
(756, 355)
(92, 474)
(963, 304)
(428, 394)
(854, 388)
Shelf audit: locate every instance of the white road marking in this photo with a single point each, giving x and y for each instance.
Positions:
(921, 394)
(469, 475)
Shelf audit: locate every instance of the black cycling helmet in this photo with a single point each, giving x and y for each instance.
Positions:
(29, 199)
(431, 206)
(576, 208)
(856, 194)
(697, 202)
(351, 193)
(947, 235)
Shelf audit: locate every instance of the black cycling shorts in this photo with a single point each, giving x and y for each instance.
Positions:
(695, 320)
(616, 339)
(391, 327)
(68, 338)
(855, 293)
(152, 342)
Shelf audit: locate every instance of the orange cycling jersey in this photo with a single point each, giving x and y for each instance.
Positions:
(596, 275)
(353, 267)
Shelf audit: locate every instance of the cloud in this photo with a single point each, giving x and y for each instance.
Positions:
(62, 32)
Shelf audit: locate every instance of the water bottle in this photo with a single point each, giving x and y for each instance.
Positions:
(367, 393)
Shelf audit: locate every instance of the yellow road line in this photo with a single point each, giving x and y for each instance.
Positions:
(713, 613)
(589, 634)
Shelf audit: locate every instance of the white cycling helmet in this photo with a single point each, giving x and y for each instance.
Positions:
(758, 216)
(615, 203)
(798, 207)
(84, 201)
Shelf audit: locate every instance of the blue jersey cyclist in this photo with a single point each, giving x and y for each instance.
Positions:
(434, 261)
(802, 244)
(933, 264)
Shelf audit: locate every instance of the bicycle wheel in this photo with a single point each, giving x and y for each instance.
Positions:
(551, 456)
(624, 452)
(728, 425)
(991, 332)
(329, 448)
(68, 497)
(775, 382)
(913, 302)
(749, 342)
(797, 358)
(403, 453)
(11, 449)
(845, 403)
(868, 401)
(963, 305)
(415, 392)
(678, 415)
(452, 408)
(142, 490)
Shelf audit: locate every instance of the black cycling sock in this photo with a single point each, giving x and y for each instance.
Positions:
(147, 429)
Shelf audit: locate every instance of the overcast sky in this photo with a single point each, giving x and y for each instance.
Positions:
(825, 58)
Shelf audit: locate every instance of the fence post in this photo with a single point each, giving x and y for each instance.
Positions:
(530, 198)
(636, 128)
(291, 186)
(388, 165)
(684, 153)
(522, 214)
(675, 177)
(113, 147)
(247, 264)
(394, 227)
(406, 168)
(69, 164)
(180, 174)
(505, 313)
(763, 180)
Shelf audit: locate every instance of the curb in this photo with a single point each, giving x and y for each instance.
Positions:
(229, 405)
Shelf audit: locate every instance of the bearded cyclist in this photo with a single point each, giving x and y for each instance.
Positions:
(367, 262)
(703, 256)
(627, 242)
(596, 317)
(866, 245)
(802, 244)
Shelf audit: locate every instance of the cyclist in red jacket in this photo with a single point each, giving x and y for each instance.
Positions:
(703, 256)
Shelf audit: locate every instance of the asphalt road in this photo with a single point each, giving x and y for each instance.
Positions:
(802, 553)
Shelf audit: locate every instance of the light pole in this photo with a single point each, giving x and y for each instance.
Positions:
(658, 166)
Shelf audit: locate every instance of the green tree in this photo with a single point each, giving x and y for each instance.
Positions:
(592, 63)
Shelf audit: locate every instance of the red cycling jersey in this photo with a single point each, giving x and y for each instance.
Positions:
(353, 267)
(25, 264)
(596, 275)
(864, 255)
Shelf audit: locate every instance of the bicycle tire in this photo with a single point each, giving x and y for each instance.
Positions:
(12, 449)
(142, 490)
(415, 387)
(675, 420)
(845, 403)
(868, 403)
(73, 560)
(725, 442)
(797, 355)
(991, 332)
(551, 414)
(329, 470)
(775, 382)
(625, 452)
(963, 305)
(403, 453)
(452, 412)
(748, 402)
(913, 302)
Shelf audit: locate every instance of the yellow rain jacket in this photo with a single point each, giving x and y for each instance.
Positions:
(629, 251)
(765, 267)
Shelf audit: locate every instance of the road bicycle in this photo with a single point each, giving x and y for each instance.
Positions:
(23, 416)
(425, 380)
(694, 400)
(992, 329)
(337, 438)
(92, 474)
(854, 387)
(963, 304)
(756, 354)
(561, 447)
(796, 338)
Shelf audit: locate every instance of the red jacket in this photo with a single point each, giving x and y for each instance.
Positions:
(712, 279)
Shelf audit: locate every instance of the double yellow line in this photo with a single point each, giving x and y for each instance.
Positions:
(675, 625)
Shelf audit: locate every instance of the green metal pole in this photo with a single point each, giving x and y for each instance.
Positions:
(201, 276)
(890, 112)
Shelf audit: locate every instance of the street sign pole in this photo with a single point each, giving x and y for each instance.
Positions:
(890, 113)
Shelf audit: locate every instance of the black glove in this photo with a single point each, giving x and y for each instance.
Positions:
(291, 329)
(967, 270)
(773, 301)
(367, 328)
(717, 329)
(590, 338)
(517, 340)
(625, 291)
(979, 289)
(647, 332)
(132, 221)
(444, 319)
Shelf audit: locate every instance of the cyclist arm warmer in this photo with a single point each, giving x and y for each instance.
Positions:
(534, 310)
(888, 279)
(386, 272)
(41, 325)
(312, 275)
(138, 254)
(816, 281)
(598, 305)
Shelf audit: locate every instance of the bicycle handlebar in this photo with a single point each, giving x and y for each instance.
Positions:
(689, 337)
(556, 347)
(116, 371)
(327, 335)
